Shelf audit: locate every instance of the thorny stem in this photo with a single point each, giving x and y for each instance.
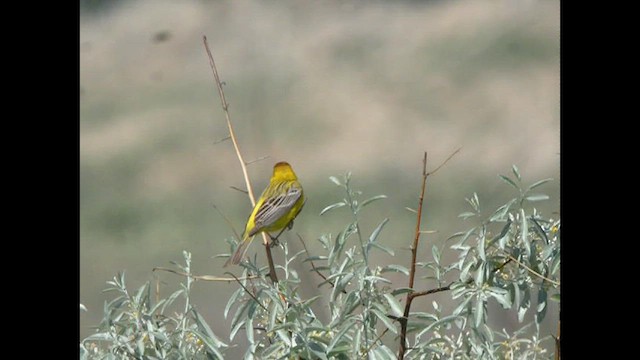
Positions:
(414, 251)
(412, 271)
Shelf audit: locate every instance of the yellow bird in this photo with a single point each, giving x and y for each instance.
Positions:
(275, 210)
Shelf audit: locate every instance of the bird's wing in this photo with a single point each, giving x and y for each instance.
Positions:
(275, 207)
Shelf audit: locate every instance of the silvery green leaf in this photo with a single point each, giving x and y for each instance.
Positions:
(524, 232)
(383, 352)
(537, 197)
(479, 278)
(396, 308)
(479, 310)
(538, 183)
(372, 199)
(274, 349)
(464, 274)
(394, 268)
(462, 306)
(206, 330)
(509, 181)
(516, 172)
(332, 206)
(376, 232)
(480, 248)
(401, 290)
(442, 322)
(346, 326)
(541, 310)
(232, 300)
(467, 214)
(381, 247)
(387, 322)
(435, 251)
(318, 349)
(501, 295)
(335, 180)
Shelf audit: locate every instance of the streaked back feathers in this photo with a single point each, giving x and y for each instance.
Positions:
(276, 208)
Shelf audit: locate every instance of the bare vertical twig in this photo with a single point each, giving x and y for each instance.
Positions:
(243, 164)
(414, 252)
(412, 271)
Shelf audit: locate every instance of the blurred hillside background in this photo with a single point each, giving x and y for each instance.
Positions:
(329, 86)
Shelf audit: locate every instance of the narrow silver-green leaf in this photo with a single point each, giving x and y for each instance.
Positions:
(249, 330)
(509, 181)
(386, 249)
(274, 349)
(480, 275)
(542, 305)
(373, 278)
(376, 232)
(462, 306)
(502, 211)
(395, 268)
(435, 251)
(396, 308)
(387, 322)
(401, 290)
(332, 206)
(335, 180)
(442, 322)
(479, 310)
(516, 172)
(232, 300)
(467, 214)
(383, 352)
(538, 183)
(318, 349)
(346, 325)
(501, 295)
(480, 247)
(537, 197)
(524, 232)
(370, 200)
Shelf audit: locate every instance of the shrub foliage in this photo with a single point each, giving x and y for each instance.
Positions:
(510, 257)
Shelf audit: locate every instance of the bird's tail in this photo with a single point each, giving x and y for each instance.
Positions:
(239, 253)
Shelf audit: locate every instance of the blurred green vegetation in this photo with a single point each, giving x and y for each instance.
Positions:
(329, 87)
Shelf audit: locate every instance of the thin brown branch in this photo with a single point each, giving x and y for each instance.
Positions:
(313, 266)
(416, 294)
(416, 239)
(222, 140)
(203, 277)
(226, 219)
(238, 189)
(243, 164)
(365, 354)
(248, 292)
(258, 159)
(414, 252)
(412, 270)
(444, 162)
(533, 271)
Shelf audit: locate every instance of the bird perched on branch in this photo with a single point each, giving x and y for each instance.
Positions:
(275, 210)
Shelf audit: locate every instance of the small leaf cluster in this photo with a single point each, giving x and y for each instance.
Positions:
(136, 327)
